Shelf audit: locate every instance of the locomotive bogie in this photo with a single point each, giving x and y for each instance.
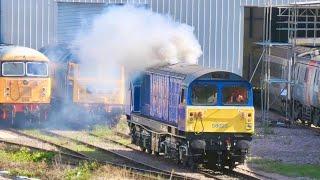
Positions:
(214, 150)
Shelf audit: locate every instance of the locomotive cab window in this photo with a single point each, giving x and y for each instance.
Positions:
(235, 95)
(182, 99)
(13, 69)
(39, 69)
(204, 94)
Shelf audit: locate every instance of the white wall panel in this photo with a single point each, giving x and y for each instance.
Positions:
(218, 24)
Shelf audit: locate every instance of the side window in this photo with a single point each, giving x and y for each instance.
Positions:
(182, 99)
(316, 77)
(297, 73)
(306, 75)
(71, 70)
(302, 72)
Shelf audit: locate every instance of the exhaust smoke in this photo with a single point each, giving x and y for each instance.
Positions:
(135, 38)
(123, 40)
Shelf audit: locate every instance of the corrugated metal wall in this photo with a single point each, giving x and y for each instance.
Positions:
(218, 24)
(27, 22)
(75, 17)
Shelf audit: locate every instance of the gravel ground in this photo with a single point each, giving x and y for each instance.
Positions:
(294, 144)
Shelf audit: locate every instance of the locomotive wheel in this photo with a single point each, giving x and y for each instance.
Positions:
(156, 153)
(149, 151)
(189, 162)
(143, 148)
(316, 118)
(231, 164)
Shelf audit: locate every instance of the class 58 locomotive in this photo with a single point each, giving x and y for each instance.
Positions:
(192, 114)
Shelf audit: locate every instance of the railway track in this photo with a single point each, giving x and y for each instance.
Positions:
(60, 147)
(163, 173)
(150, 173)
(208, 173)
(45, 150)
(141, 166)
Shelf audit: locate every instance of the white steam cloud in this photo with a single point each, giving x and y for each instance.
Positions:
(135, 38)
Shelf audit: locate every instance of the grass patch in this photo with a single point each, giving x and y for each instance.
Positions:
(26, 155)
(102, 131)
(83, 171)
(267, 129)
(106, 132)
(292, 170)
(24, 162)
(37, 164)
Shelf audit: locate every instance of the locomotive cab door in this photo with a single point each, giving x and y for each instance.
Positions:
(70, 81)
(182, 107)
(135, 97)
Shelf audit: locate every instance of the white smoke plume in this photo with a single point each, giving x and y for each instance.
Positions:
(135, 38)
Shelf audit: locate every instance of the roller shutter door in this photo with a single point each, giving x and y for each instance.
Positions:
(73, 17)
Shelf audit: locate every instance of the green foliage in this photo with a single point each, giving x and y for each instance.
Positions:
(25, 155)
(83, 171)
(267, 129)
(21, 172)
(101, 131)
(293, 170)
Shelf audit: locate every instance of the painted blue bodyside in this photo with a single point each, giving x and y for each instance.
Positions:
(159, 97)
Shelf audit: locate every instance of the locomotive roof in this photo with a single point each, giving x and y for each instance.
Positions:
(191, 72)
(19, 53)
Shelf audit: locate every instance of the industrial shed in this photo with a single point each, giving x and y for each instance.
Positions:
(221, 26)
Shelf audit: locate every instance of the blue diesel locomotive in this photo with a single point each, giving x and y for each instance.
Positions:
(192, 114)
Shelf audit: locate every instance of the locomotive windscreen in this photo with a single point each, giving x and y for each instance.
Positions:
(211, 93)
(13, 69)
(39, 69)
(234, 95)
(204, 94)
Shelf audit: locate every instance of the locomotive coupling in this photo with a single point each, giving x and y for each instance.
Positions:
(198, 144)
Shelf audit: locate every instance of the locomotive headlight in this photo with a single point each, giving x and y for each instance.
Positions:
(43, 93)
(7, 91)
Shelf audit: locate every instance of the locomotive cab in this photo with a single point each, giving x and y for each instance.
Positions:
(220, 118)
